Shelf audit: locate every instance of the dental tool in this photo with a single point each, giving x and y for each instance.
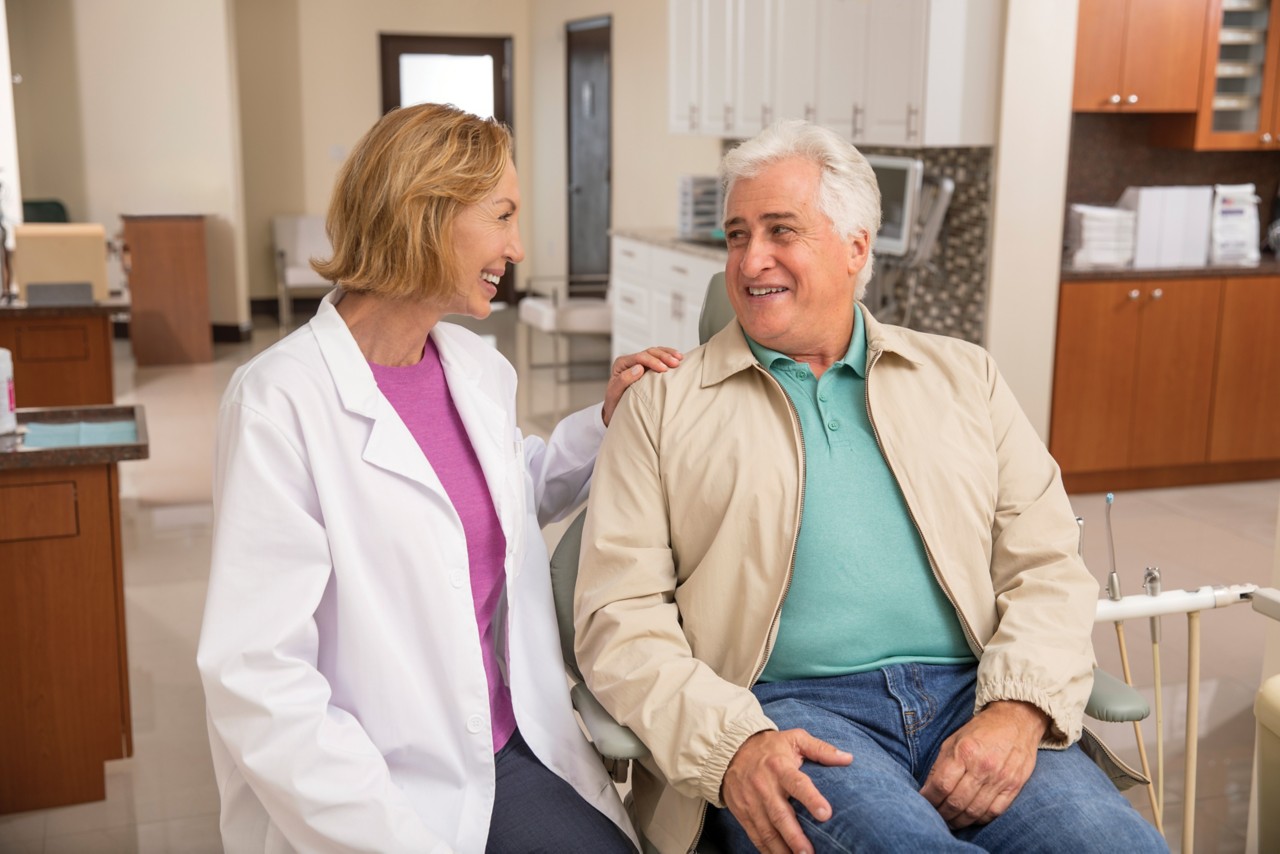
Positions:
(1151, 584)
(1114, 595)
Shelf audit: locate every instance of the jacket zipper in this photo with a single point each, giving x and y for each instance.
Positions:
(791, 568)
(933, 564)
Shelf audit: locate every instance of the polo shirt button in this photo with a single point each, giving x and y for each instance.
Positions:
(833, 424)
(475, 723)
(457, 578)
(823, 397)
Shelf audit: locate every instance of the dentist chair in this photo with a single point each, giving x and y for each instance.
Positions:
(1111, 699)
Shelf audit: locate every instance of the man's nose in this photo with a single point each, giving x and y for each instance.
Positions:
(756, 258)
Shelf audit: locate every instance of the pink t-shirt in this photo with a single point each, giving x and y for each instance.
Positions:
(420, 396)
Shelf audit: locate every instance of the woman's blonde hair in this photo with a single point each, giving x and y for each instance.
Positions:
(396, 199)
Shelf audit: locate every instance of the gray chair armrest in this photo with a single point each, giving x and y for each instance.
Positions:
(612, 739)
(1113, 701)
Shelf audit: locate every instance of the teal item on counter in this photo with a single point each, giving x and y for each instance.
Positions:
(78, 434)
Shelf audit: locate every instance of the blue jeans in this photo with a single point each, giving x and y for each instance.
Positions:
(535, 811)
(894, 721)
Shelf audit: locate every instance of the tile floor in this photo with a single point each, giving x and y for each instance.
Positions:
(164, 798)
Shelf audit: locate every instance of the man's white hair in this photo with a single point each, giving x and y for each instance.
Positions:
(847, 190)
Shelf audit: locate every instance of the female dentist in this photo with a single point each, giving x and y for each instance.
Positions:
(377, 520)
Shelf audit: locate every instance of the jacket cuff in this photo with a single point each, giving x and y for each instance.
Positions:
(1064, 728)
(722, 753)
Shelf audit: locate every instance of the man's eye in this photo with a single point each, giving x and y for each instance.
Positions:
(733, 236)
(781, 229)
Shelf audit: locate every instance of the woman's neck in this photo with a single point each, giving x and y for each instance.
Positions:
(388, 332)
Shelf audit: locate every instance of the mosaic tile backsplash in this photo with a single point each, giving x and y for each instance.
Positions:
(951, 295)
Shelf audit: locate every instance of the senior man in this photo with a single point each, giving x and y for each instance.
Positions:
(829, 572)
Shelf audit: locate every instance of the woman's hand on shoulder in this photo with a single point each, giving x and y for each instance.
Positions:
(627, 369)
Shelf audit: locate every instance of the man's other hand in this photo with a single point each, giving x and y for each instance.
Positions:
(983, 766)
(764, 773)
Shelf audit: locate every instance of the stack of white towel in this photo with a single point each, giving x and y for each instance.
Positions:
(1099, 236)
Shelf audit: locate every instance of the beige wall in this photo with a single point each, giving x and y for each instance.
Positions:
(154, 82)
(1030, 184)
(270, 73)
(47, 102)
(323, 94)
(647, 160)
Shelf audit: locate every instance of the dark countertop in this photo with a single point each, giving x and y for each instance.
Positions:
(1270, 266)
(25, 311)
(80, 455)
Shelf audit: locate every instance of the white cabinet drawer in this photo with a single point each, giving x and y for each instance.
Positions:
(630, 259)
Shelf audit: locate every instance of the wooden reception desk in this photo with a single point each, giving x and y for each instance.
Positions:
(61, 354)
(64, 675)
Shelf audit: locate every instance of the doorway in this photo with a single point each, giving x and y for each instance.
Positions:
(589, 99)
(471, 72)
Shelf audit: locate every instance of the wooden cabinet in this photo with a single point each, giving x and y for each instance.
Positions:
(61, 355)
(1167, 381)
(1245, 419)
(1239, 92)
(168, 289)
(64, 684)
(657, 294)
(1139, 55)
(1133, 373)
(883, 72)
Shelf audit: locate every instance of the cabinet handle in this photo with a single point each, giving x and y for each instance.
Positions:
(1132, 99)
(628, 300)
(681, 270)
(857, 121)
(810, 114)
(728, 116)
(1158, 293)
(627, 252)
(677, 306)
(1134, 294)
(766, 115)
(911, 114)
(1114, 99)
(693, 117)
(1266, 137)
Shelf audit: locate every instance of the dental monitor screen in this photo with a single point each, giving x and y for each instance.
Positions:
(899, 179)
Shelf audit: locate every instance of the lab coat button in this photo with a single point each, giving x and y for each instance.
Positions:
(474, 724)
(457, 578)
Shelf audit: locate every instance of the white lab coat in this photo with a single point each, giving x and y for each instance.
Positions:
(347, 700)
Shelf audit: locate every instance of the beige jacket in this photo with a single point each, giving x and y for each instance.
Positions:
(690, 537)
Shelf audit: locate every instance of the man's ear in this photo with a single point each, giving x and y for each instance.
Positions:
(859, 251)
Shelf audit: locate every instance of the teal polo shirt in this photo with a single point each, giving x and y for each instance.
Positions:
(862, 593)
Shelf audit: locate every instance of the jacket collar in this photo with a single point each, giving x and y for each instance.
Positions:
(390, 445)
(728, 353)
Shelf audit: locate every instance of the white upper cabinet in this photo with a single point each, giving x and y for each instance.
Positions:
(794, 77)
(684, 65)
(878, 72)
(842, 63)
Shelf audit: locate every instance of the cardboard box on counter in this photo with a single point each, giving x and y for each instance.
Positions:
(1172, 225)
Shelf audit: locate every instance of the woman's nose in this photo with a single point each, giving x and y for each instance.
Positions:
(515, 249)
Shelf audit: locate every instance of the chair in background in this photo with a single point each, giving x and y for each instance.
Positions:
(295, 241)
(44, 210)
(548, 308)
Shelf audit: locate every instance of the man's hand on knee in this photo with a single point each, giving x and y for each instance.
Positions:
(764, 773)
(983, 765)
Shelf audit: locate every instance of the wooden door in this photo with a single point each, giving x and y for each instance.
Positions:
(1094, 373)
(1239, 79)
(1163, 48)
(1245, 423)
(1174, 372)
(1100, 40)
(589, 107)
